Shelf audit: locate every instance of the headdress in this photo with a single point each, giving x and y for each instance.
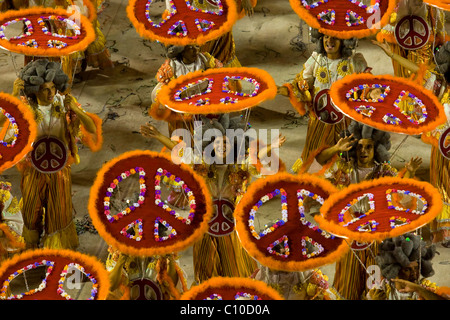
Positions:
(39, 71)
(382, 140)
(396, 253)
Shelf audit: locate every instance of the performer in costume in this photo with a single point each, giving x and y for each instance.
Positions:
(361, 154)
(181, 60)
(333, 60)
(46, 171)
(435, 20)
(436, 78)
(219, 252)
(402, 260)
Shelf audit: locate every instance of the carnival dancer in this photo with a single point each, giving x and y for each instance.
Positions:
(361, 154)
(420, 30)
(181, 60)
(219, 252)
(308, 92)
(402, 261)
(435, 78)
(46, 171)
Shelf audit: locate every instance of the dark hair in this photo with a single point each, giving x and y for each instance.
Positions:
(346, 48)
(397, 253)
(382, 140)
(40, 71)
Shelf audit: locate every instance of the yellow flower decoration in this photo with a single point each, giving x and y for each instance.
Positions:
(322, 74)
(344, 68)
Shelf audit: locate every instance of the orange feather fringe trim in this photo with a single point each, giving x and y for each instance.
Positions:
(28, 116)
(232, 285)
(94, 143)
(313, 22)
(87, 33)
(337, 94)
(248, 241)
(91, 263)
(166, 92)
(201, 39)
(98, 222)
(329, 224)
(299, 106)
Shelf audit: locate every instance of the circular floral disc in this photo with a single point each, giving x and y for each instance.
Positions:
(50, 274)
(18, 132)
(226, 288)
(274, 220)
(388, 103)
(185, 22)
(135, 211)
(442, 4)
(37, 40)
(218, 90)
(344, 19)
(382, 208)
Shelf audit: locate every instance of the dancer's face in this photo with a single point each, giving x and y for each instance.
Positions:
(410, 273)
(365, 153)
(46, 93)
(190, 53)
(332, 46)
(222, 147)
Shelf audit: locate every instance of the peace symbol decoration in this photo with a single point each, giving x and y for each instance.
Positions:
(18, 133)
(49, 155)
(388, 103)
(412, 32)
(219, 90)
(231, 288)
(221, 224)
(38, 37)
(444, 143)
(185, 22)
(146, 289)
(53, 275)
(325, 110)
(129, 208)
(382, 208)
(290, 241)
(344, 19)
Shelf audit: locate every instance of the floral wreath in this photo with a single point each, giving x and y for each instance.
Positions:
(388, 112)
(57, 262)
(231, 288)
(21, 118)
(343, 19)
(222, 94)
(37, 40)
(386, 217)
(148, 215)
(184, 24)
(310, 247)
